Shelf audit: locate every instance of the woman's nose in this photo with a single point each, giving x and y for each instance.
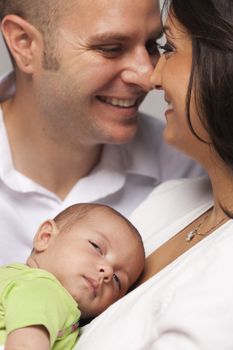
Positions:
(156, 77)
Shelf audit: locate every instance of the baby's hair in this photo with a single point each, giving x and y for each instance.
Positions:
(69, 216)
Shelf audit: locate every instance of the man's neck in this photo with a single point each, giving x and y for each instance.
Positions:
(57, 166)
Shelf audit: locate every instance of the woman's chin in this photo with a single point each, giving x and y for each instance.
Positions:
(169, 137)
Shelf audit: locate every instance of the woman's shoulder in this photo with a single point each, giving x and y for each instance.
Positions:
(170, 202)
(184, 186)
(198, 188)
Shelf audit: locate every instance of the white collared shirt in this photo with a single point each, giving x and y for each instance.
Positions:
(124, 177)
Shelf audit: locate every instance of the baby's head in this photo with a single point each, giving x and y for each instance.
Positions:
(95, 253)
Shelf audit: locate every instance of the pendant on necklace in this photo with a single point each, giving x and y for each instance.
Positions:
(191, 234)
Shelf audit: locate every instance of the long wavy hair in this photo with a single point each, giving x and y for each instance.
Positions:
(210, 26)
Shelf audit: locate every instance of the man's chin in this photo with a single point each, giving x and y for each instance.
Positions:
(124, 136)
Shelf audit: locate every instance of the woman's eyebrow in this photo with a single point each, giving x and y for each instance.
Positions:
(167, 30)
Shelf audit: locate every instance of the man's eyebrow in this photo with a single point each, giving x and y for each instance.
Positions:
(115, 36)
(109, 37)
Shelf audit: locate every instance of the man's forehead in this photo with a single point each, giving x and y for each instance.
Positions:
(118, 18)
(110, 2)
(113, 7)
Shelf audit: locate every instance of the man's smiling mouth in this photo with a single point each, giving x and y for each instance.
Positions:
(119, 102)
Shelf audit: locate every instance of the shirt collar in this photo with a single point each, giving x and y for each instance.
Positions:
(8, 174)
(106, 178)
(137, 157)
(117, 161)
(7, 86)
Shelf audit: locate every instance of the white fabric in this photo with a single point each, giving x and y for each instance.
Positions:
(124, 177)
(7, 87)
(189, 304)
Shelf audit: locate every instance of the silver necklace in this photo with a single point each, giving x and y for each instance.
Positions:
(195, 232)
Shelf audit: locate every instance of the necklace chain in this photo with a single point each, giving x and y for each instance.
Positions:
(195, 232)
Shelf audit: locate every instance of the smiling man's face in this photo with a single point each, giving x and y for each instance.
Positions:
(106, 51)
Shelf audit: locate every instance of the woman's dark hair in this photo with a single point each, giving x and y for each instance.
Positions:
(210, 26)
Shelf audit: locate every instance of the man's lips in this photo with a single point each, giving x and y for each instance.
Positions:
(121, 102)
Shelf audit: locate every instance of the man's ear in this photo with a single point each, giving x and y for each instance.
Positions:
(22, 40)
(46, 232)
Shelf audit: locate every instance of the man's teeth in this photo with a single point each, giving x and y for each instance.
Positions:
(120, 102)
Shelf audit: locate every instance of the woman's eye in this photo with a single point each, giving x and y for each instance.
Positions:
(166, 48)
(117, 281)
(96, 246)
(152, 47)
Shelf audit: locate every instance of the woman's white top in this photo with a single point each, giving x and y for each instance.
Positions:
(189, 304)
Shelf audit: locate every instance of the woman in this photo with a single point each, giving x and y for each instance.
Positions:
(186, 300)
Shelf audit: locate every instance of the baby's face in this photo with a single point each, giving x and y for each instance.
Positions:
(96, 260)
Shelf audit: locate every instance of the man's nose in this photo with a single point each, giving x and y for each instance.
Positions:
(140, 66)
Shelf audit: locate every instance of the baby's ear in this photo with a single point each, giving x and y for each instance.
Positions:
(46, 232)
